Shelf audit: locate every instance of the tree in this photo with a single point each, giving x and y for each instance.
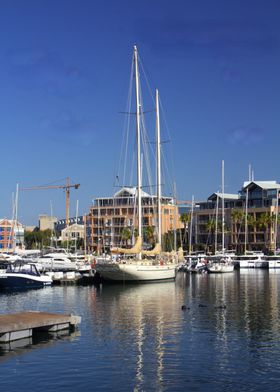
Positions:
(149, 235)
(185, 218)
(237, 217)
(265, 222)
(125, 235)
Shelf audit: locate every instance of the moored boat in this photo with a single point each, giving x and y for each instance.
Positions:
(251, 260)
(22, 275)
(220, 264)
(136, 263)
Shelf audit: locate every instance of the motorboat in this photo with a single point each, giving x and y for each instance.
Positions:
(220, 264)
(251, 260)
(195, 263)
(22, 275)
(55, 262)
(272, 261)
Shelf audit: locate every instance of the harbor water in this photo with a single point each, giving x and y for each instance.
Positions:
(142, 338)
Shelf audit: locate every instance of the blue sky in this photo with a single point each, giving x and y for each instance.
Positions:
(64, 79)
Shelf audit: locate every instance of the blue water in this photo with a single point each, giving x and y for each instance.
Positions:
(138, 338)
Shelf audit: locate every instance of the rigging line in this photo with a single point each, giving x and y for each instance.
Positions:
(142, 112)
(132, 168)
(126, 125)
(147, 159)
(147, 80)
(144, 137)
(169, 137)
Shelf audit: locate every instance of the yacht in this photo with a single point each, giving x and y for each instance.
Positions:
(55, 262)
(137, 264)
(251, 260)
(22, 275)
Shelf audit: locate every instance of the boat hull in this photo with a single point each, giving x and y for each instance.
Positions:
(22, 281)
(217, 268)
(119, 272)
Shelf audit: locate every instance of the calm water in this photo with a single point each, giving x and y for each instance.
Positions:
(137, 338)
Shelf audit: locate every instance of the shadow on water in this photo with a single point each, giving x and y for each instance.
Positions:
(39, 340)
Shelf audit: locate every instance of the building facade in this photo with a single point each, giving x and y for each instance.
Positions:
(47, 222)
(250, 219)
(74, 232)
(108, 217)
(11, 235)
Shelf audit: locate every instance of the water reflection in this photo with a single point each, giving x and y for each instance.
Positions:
(37, 341)
(137, 337)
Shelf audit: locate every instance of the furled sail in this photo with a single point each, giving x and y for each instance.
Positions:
(153, 252)
(134, 250)
(180, 254)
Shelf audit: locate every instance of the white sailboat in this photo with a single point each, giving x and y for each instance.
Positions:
(145, 266)
(221, 262)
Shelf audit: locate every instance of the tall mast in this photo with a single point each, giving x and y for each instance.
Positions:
(191, 226)
(216, 224)
(246, 222)
(276, 222)
(15, 223)
(158, 170)
(223, 207)
(139, 185)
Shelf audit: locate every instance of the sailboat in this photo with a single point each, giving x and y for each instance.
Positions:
(221, 262)
(142, 265)
(250, 259)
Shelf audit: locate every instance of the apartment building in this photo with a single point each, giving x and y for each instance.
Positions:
(109, 216)
(11, 235)
(250, 219)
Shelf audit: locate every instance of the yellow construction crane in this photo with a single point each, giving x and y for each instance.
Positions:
(67, 187)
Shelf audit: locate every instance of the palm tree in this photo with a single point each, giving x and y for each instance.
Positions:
(149, 234)
(237, 217)
(185, 219)
(251, 223)
(265, 223)
(125, 235)
(211, 229)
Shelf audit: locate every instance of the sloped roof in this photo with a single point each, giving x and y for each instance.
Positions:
(132, 191)
(262, 184)
(227, 196)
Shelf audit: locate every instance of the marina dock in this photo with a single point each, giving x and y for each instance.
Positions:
(23, 325)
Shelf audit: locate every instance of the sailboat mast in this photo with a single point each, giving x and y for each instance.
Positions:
(223, 206)
(139, 179)
(191, 226)
(246, 222)
(276, 222)
(158, 170)
(216, 224)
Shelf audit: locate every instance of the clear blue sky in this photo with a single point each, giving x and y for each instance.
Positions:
(64, 70)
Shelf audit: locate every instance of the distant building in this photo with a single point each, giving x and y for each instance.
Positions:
(11, 235)
(259, 198)
(110, 215)
(61, 224)
(73, 232)
(47, 222)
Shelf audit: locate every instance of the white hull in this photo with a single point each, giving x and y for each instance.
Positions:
(247, 264)
(47, 263)
(221, 268)
(134, 272)
(273, 262)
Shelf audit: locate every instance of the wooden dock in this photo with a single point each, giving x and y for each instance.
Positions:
(22, 325)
